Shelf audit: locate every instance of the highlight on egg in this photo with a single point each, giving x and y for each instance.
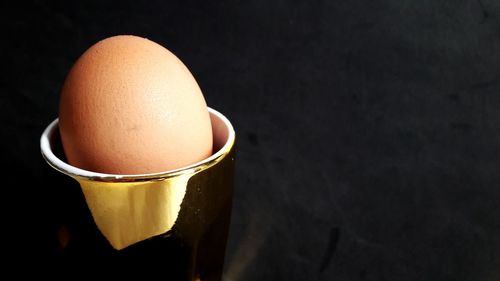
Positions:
(130, 106)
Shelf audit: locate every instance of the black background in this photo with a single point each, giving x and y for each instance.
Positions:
(368, 131)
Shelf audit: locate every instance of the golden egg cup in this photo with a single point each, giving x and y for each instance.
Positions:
(192, 203)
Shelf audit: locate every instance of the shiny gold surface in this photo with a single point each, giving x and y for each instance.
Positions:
(132, 208)
(135, 208)
(128, 212)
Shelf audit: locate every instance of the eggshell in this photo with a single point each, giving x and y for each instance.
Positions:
(130, 106)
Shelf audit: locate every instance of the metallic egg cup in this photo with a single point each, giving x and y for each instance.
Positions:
(191, 205)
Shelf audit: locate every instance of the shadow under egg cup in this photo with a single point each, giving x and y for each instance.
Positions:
(179, 218)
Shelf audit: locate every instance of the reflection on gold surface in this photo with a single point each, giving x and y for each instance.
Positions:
(129, 212)
(63, 236)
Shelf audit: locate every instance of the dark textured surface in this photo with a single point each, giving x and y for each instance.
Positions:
(368, 131)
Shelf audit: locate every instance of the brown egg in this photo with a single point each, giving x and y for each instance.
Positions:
(130, 106)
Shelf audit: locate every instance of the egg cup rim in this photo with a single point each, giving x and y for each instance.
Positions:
(82, 174)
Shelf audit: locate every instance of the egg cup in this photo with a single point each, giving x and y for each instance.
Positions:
(181, 215)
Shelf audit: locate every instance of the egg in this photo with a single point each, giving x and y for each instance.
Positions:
(130, 106)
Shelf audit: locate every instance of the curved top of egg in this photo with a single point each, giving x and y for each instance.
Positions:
(130, 106)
